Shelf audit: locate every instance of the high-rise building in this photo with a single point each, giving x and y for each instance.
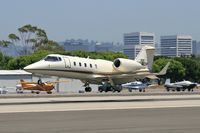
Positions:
(196, 48)
(176, 45)
(132, 40)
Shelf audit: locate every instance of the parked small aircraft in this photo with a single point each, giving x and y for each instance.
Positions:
(3, 91)
(36, 87)
(109, 74)
(136, 85)
(179, 86)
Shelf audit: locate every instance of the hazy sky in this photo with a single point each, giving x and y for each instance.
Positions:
(101, 20)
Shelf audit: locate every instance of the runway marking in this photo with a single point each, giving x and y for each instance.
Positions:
(98, 106)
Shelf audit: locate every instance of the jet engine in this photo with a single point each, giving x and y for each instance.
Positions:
(126, 65)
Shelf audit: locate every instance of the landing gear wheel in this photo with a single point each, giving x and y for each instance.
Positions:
(167, 89)
(119, 91)
(113, 90)
(88, 89)
(49, 92)
(39, 81)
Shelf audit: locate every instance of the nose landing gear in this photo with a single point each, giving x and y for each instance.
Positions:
(87, 87)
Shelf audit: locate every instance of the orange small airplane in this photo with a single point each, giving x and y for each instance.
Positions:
(36, 87)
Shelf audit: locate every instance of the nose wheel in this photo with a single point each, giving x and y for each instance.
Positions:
(87, 87)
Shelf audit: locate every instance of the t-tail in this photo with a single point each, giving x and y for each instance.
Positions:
(145, 56)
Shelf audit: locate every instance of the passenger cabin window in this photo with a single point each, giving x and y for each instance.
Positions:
(85, 64)
(52, 58)
(79, 64)
(74, 63)
(90, 65)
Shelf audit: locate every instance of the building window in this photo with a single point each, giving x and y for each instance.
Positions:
(79, 64)
(85, 64)
(74, 63)
(90, 65)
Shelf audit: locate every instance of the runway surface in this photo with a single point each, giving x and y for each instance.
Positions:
(150, 92)
(13, 105)
(165, 120)
(101, 114)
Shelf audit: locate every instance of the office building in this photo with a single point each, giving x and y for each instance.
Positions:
(176, 45)
(132, 40)
(196, 48)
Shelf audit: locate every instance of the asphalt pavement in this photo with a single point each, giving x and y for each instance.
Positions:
(160, 120)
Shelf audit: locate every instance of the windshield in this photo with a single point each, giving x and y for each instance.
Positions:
(52, 58)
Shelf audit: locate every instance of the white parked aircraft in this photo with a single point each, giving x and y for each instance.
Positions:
(98, 71)
(178, 86)
(136, 85)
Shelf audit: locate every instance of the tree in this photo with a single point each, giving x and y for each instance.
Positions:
(4, 43)
(192, 67)
(4, 59)
(176, 71)
(51, 46)
(21, 61)
(30, 37)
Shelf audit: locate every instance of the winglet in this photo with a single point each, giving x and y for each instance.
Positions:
(164, 70)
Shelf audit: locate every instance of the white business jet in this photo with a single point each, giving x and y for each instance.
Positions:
(110, 75)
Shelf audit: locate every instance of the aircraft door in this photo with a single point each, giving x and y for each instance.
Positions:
(67, 62)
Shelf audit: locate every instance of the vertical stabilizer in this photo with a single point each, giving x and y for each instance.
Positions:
(145, 56)
(167, 81)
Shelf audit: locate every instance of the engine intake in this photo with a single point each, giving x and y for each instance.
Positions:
(126, 65)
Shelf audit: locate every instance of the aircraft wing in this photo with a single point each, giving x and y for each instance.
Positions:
(174, 86)
(121, 78)
(164, 70)
(134, 86)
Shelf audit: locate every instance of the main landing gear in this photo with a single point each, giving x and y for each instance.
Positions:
(108, 87)
(105, 87)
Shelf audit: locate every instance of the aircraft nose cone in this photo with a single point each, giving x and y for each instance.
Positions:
(32, 67)
(28, 68)
(35, 67)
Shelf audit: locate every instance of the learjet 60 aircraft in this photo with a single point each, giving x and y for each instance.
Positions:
(110, 75)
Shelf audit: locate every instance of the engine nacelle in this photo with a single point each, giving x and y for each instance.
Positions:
(126, 65)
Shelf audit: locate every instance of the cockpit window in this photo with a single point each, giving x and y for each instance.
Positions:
(52, 58)
(59, 59)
